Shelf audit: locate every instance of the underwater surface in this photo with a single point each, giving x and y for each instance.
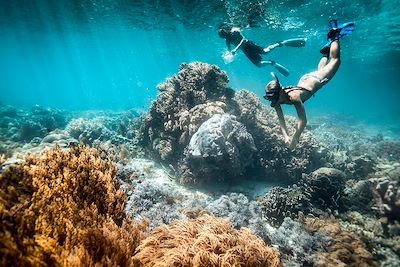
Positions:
(126, 140)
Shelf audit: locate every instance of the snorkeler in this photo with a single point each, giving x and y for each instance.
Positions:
(308, 84)
(233, 36)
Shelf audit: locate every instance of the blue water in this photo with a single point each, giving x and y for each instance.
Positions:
(105, 54)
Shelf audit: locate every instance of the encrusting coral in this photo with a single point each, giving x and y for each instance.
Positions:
(63, 209)
(205, 241)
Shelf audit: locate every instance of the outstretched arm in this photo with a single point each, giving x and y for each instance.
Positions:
(238, 46)
(228, 45)
(282, 123)
(301, 113)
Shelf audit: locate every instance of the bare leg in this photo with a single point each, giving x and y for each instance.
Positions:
(283, 70)
(329, 69)
(322, 63)
(265, 63)
(271, 47)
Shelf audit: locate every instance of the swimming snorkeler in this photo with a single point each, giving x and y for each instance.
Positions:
(308, 84)
(233, 36)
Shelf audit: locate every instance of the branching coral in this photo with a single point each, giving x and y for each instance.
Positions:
(64, 209)
(205, 241)
(241, 212)
(387, 198)
(279, 203)
(296, 245)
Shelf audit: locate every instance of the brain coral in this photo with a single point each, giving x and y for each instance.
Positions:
(225, 143)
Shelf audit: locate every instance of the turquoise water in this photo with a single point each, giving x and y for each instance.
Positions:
(80, 55)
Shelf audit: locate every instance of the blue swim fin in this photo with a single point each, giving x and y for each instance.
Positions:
(325, 48)
(336, 32)
(346, 29)
(340, 31)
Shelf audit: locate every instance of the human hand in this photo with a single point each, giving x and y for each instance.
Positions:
(286, 138)
(228, 57)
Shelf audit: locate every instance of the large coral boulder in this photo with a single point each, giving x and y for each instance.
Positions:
(220, 145)
(167, 123)
(325, 186)
(223, 148)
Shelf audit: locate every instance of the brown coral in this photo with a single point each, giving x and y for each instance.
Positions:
(195, 84)
(345, 250)
(64, 209)
(205, 241)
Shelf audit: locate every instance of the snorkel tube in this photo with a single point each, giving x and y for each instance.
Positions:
(272, 91)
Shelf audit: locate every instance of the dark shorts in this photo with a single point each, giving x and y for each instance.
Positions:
(253, 52)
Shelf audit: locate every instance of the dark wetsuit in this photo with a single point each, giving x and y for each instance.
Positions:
(249, 48)
(253, 52)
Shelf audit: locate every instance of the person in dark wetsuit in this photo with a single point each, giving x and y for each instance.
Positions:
(233, 36)
(307, 86)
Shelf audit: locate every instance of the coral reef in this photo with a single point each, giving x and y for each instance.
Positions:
(171, 130)
(345, 248)
(205, 241)
(316, 193)
(241, 212)
(296, 245)
(225, 143)
(195, 84)
(279, 203)
(387, 198)
(325, 186)
(63, 209)
(274, 159)
(357, 196)
(23, 126)
(152, 195)
(367, 228)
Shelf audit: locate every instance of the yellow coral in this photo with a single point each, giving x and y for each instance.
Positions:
(205, 241)
(64, 209)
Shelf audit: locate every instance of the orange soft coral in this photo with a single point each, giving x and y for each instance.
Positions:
(345, 250)
(205, 241)
(63, 209)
